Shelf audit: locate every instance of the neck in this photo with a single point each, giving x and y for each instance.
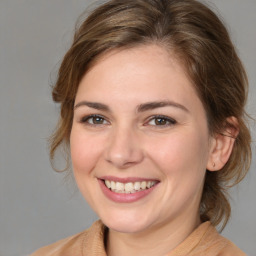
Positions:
(159, 240)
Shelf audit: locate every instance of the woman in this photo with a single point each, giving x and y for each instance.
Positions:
(152, 98)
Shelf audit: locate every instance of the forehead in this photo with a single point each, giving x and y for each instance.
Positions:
(145, 73)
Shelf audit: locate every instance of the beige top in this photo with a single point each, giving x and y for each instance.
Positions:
(204, 241)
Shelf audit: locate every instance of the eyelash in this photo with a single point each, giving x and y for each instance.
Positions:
(85, 120)
(167, 121)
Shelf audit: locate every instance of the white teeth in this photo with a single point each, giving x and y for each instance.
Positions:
(119, 186)
(143, 184)
(137, 185)
(129, 187)
(108, 183)
(113, 185)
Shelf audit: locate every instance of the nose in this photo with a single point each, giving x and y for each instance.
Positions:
(124, 149)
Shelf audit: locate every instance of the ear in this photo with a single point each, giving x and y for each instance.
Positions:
(222, 145)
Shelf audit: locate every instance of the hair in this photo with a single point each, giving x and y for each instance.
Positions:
(198, 38)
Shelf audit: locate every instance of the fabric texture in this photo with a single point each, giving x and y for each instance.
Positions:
(204, 241)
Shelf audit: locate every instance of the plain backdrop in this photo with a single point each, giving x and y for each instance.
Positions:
(37, 205)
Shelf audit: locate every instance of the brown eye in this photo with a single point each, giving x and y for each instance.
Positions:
(97, 120)
(161, 121)
(94, 120)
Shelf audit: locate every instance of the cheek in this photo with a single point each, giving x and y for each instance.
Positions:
(182, 160)
(180, 153)
(84, 152)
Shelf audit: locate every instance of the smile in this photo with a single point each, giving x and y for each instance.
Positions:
(129, 187)
(127, 190)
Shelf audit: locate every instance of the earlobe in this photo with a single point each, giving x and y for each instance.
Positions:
(222, 145)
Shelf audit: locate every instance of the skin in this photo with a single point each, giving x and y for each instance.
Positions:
(126, 141)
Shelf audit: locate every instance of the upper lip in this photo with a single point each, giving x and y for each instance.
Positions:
(127, 179)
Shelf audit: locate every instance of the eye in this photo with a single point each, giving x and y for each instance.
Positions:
(94, 120)
(161, 121)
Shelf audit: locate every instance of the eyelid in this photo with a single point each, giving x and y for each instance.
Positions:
(167, 118)
(84, 119)
(169, 121)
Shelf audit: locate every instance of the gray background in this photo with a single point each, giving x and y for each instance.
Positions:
(37, 205)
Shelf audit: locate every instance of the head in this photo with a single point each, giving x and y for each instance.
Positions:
(194, 36)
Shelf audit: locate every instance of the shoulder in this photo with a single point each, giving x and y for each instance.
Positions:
(230, 249)
(218, 245)
(205, 240)
(62, 247)
(74, 245)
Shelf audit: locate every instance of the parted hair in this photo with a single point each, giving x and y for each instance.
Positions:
(197, 37)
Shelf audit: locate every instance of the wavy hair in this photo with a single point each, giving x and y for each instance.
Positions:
(198, 38)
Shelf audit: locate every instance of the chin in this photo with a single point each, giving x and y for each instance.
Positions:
(125, 224)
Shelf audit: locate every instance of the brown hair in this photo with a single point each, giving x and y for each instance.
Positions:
(199, 39)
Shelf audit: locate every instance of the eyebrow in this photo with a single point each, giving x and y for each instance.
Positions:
(159, 104)
(95, 105)
(141, 108)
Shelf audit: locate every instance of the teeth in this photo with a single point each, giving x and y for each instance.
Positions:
(143, 184)
(137, 185)
(148, 184)
(108, 183)
(129, 187)
(113, 185)
(119, 186)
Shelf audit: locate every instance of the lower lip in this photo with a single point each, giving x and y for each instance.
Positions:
(122, 197)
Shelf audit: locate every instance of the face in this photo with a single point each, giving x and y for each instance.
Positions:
(139, 141)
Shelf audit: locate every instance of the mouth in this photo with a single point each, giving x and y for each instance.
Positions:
(126, 190)
(129, 187)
